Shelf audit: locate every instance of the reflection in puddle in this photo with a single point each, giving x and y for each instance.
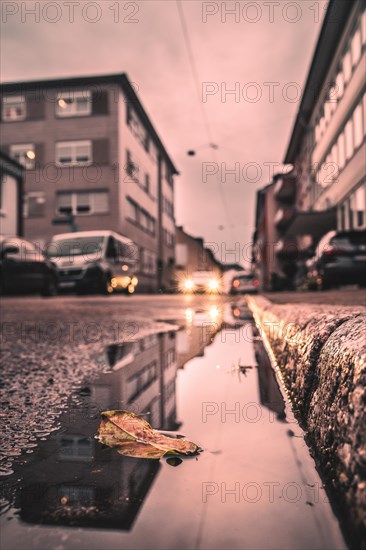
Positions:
(269, 392)
(74, 481)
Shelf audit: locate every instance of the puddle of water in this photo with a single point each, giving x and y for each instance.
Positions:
(254, 485)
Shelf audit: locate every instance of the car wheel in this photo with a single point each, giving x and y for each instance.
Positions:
(50, 288)
(105, 285)
(325, 285)
(81, 291)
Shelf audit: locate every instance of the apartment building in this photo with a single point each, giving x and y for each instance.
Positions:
(326, 189)
(11, 192)
(328, 147)
(93, 160)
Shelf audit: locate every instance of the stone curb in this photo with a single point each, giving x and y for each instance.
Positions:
(321, 353)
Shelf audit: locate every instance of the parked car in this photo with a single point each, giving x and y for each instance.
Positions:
(201, 282)
(340, 259)
(244, 284)
(25, 269)
(94, 261)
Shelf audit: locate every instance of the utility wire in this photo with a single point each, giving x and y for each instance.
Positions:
(205, 118)
(193, 68)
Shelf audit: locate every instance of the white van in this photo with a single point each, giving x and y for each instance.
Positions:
(99, 261)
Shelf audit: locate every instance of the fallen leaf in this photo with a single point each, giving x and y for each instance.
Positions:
(131, 435)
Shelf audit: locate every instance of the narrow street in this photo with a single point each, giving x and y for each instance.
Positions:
(190, 365)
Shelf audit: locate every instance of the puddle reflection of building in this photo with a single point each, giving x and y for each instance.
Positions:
(142, 379)
(74, 480)
(269, 391)
(199, 332)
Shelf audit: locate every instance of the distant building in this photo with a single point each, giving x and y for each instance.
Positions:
(327, 187)
(11, 196)
(264, 234)
(274, 252)
(192, 255)
(90, 152)
(75, 473)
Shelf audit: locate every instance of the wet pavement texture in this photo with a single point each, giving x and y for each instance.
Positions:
(191, 366)
(346, 296)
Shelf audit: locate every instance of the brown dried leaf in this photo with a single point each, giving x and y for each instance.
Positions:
(131, 435)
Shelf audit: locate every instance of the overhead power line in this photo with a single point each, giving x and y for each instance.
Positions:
(205, 118)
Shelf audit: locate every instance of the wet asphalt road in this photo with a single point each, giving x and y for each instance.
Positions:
(49, 347)
(253, 486)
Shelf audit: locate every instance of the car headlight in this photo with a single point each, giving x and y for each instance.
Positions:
(214, 313)
(213, 284)
(188, 284)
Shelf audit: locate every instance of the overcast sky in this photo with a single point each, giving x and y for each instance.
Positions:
(262, 51)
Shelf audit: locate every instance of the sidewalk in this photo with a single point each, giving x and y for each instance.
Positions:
(346, 297)
(320, 350)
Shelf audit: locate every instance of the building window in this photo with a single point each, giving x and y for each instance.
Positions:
(169, 358)
(334, 154)
(328, 111)
(153, 152)
(357, 126)
(140, 381)
(71, 153)
(132, 211)
(24, 154)
(342, 218)
(168, 238)
(363, 27)
(341, 151)
(137, 128)
(148, 262)
(76, 448)
(168, 207)
(82, 203)
(356, 47)
(132, 167)
(140, 217)
(13, 108)
(168, 174)
(147, 183)
(360, 207)
(34, 204)
(347, 66)
(74, 103)
(348, 132)
(339, 86)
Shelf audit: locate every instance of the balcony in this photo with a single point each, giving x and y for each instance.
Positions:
(287, 249)
(285, 189)
(314, 223)
(283, 217)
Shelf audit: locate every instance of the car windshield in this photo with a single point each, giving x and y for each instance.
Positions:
(203, 275)
(80, 246)
(245, 278)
